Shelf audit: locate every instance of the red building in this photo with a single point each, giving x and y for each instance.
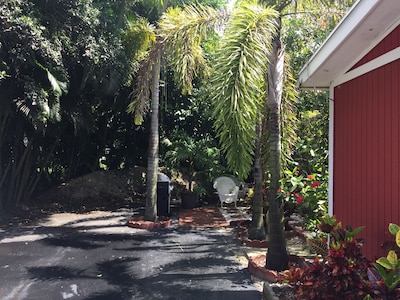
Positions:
(360, 65)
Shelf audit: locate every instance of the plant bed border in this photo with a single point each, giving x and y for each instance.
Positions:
(140, 223)
(256, 267)
(242, 235)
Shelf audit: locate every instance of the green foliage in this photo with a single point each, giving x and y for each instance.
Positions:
(137, 38)
(326, 223)
(238, 82)
(64, 68)
(183, 30)
(305, 28)
(385, 275)
(311, 150)
(305, 195)
(194, 160)
(62, 64)
(343, 272)
(179, 37)
(190, 115)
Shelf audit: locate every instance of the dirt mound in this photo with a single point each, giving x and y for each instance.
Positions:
(100, 190)
(97, 190)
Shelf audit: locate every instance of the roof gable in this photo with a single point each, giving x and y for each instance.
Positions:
(362, 28)
(389, 43)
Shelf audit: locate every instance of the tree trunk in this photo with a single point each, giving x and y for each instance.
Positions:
(277, 258)
(257, 229)
(152, 158)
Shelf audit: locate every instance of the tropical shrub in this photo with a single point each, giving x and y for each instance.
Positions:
(197, 161)
(385, 275)
(305, 195)
(340, 274)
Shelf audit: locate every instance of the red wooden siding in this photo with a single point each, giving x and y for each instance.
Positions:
(390, 42)
(366, 154)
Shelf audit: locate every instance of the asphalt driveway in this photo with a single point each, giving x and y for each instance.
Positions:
(97, 257)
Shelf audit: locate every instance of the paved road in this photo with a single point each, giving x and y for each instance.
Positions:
(97, 257)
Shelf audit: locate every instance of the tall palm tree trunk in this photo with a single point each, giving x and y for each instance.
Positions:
(152, 157)
(277, 258)
(257, 229)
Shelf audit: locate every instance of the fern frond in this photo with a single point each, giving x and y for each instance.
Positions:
(317, 246)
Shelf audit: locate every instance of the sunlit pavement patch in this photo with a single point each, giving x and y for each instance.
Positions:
(24, 238)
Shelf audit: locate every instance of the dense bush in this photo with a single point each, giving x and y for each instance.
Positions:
(62, 72)
(341, 274)
(305, 195)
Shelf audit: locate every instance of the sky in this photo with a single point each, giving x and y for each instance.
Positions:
(230, 4)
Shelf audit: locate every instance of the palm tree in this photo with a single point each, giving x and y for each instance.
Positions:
(249, 81)
(179, 38)
(240, 82)
(275, 78)
(180, 35)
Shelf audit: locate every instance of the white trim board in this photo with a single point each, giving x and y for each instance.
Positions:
(331, 149)
(376, 63)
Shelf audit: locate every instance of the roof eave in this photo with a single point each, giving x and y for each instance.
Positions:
(314, 74)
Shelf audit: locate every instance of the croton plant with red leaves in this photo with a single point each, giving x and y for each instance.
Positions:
(340, 274)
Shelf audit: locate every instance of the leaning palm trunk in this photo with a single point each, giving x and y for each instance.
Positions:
(257, 229)
(152, 157)
(277, 255)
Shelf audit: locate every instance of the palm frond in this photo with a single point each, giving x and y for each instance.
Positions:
(183, 30)
(55, 84)
(238, 82)
(140, 95)
(289, 119)
(137, 38)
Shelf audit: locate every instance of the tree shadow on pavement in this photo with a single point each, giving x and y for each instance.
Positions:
(163, 264)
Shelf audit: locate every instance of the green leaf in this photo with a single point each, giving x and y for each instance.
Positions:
(384, 262)
(58, 86)
(394, 228)
(391, 278)
(392, 258)
(398, 238)
(351, 234)
(396, 281)
(381, 270)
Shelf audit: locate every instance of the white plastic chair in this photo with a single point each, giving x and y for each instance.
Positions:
(227, 190)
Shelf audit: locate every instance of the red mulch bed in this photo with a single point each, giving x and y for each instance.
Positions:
(140, 223)
(202, 217)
